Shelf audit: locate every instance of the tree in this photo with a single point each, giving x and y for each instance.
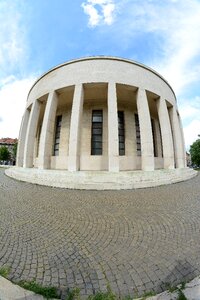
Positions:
(195, 153)
(4, 153)
(15, 150)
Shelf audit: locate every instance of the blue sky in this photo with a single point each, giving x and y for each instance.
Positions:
(36, 35)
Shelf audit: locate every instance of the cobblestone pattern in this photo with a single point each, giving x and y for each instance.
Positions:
(135, 240)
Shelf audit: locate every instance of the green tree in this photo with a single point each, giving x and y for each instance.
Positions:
(195, 152)
(15, 150)
(4, 153)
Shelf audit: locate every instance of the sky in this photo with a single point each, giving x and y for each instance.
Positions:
(36, 35)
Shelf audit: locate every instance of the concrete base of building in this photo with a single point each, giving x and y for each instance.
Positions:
(100, 180)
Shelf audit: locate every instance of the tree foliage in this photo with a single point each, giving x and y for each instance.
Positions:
(4, 153)
(15, 150)
(195, 153)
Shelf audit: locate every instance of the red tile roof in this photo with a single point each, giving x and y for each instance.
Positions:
(8, 141)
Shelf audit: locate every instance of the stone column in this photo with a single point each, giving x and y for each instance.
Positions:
(145, 131)
(22, 137)
(183, 141)
(113, 139)
(47, 132)
(75, 129)
(177, 137)
(166, 134)
(30, 134)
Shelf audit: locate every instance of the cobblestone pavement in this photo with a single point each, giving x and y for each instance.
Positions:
(134, 240)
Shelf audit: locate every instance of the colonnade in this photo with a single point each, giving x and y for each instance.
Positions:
(169, 120)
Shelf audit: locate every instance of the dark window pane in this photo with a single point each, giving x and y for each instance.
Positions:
(96, 144)
(97, 125)
(97, 119)
(154, 138)
(121, 146)
(57, 135)
(97, 138)
(138, 141)
(121, 138)
(97, 132)
(96, 152)
(121, 152)
(121, 133)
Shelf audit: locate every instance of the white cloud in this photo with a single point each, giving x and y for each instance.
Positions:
(13, 97)
(13, 49)
(190, 114)
(13, 55)
(171, 31)
(191, 132)
(99, 11)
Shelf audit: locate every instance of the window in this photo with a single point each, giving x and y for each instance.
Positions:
(154, 138)
(57, 135)
(138, 141)
(97, 132)
(38, 140)
(121, 133)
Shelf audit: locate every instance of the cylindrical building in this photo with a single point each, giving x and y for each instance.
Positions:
(100, 115)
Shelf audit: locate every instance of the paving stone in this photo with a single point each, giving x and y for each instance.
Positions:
(134, 240)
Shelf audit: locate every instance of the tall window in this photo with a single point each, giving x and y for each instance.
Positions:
(154, 138)
(57, 135)
(97, 132)
(138, 140)
(121, 133)
(38, 139)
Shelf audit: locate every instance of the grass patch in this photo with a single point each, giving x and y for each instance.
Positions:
(181, 296)
(48, 292)
(182, 285)
(103, 296)
(74, 294)
(171, 288)
(4, 272)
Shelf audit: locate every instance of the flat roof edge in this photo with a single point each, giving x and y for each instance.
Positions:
(101, 57)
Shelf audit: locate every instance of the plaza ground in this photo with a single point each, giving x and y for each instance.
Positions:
(135, 241)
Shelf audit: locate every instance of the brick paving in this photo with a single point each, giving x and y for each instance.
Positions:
(135, 240)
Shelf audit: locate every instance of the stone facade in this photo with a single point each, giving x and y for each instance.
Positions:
(56, 131)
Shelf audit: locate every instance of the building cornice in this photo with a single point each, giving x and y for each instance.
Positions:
(102, 57)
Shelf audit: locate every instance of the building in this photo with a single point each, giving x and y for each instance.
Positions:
(10, 144)
(100, 119)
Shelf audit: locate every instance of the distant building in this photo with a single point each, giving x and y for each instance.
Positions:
(188, 159)
(9, 143)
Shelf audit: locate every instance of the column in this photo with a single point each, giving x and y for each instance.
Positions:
(22, 137)
(177, 137)
(75, 129)
(183, 141)
(166, 134)
(145, 131)
(113, 139)
(47, 132)
(30, 134)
